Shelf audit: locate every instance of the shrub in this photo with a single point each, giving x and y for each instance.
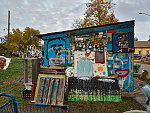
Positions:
(136, 68)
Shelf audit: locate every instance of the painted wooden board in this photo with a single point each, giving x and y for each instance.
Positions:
(55, 92)
(61, 91)
(40, 91)
(47, 76)
(50, 91)
(99, 69)
(46, 90)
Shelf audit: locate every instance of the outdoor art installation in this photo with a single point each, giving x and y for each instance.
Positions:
(94, 57)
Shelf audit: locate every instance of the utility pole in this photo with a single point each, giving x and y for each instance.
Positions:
(8, 32)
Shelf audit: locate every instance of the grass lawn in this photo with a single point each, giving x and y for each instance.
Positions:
(11, 81)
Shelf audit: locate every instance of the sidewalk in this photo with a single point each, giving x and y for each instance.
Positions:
(139, 95)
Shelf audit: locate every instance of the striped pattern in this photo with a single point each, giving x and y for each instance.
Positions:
(51, 91)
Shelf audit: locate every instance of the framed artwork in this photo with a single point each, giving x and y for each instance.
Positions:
(99, 57)
(123, 42)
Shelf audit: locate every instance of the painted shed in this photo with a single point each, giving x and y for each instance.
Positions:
(98, 51)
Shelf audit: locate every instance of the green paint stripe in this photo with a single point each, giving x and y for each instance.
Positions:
(58, 88)
(107, 98)
(53, 88)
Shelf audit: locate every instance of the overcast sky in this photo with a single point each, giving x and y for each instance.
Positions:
(58, 15)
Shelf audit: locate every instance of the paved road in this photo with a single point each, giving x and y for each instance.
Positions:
(144, 67)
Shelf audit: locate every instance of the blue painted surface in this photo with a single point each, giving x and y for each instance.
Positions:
(122, 61)
(130, 40)
(36, 108)
(84, 68)
(56, 51)
(116, 61)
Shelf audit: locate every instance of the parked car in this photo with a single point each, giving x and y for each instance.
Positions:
(148, 58)
(137, 56)
(143, 58)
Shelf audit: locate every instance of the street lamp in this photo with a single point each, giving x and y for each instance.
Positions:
(145, 14)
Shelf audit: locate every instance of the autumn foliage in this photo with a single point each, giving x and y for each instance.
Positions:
(19, 41)
(99, 12)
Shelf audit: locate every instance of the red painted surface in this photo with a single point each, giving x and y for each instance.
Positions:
(122, 73)
(2, 62)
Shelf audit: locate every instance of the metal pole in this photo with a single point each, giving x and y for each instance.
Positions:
(8, 32)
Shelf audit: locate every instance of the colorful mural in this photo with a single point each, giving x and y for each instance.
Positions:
(121, 64)
(57, 51)
(123, 42)
(85, 65)
(100, 51)
(93, 89)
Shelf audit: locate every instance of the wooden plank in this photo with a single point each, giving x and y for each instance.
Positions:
(46, 90)
(55, 92)
(35, 69)
(53, 67)
(50, 91)
(38, 68)
(40, 90)
(25, 70)
(61, 91)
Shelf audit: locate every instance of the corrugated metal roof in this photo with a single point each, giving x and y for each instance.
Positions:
(142, 44)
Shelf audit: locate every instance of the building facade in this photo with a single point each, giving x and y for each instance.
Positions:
(142, 48)
(101, 51)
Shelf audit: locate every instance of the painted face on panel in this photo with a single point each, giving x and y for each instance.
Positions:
(122, 41)
(56, 51)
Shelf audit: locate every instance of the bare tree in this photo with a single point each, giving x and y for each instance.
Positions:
(77, 23)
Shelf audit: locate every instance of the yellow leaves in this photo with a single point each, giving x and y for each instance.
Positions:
(20, 40)
(99, 12)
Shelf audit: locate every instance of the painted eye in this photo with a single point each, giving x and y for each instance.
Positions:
(59, 48)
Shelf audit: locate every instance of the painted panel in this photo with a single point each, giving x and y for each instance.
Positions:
(99, 57)
(93, 89)
(123, 42)
(97, 69)
(84, 67)
(93, 42)
(57, 51)
(46, 76)
(100, 70)
(122, 64)
(4, 62)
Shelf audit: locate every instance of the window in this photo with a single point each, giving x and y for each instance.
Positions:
(147, 52)
(139, 52)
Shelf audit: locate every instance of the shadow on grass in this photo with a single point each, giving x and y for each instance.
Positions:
(104, 107)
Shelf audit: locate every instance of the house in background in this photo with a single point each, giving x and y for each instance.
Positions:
(142, 48)
(2, 40)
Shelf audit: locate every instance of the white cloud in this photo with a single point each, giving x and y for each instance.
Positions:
(129, 10)
(58, 15)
